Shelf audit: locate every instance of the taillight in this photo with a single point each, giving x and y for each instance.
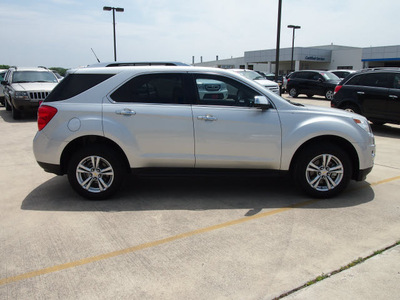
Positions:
(45, 114)
(337, 88)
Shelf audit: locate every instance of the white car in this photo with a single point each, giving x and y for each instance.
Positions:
(100, 123)
(269, 84)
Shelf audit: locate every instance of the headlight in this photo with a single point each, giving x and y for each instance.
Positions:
(363, 123)
(23, 95)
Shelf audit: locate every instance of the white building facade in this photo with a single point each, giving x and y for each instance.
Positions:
(330, 57)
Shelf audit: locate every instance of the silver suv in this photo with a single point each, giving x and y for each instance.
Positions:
(99, 124)
(25, 88)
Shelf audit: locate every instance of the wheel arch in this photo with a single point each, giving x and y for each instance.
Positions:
(84, 141)
(336, 140)
(345, 103)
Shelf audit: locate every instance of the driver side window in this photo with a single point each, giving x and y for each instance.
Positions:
(218, 90)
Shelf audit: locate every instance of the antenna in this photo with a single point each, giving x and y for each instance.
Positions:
(98, 60)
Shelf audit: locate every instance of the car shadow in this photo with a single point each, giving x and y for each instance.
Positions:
(192, 193)
(27, 117)
(387, 130)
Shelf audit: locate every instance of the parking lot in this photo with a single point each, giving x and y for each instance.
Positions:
(184, 237)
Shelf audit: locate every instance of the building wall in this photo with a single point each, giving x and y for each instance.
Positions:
(346, 59)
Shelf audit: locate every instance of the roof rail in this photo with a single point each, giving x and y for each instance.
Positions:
(43, 67)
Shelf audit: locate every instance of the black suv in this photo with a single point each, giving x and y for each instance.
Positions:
(312, 83)
(372, 93)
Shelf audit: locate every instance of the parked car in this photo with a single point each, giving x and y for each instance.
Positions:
(25, 88)
(253, 75)
(342, 73)
(2, 74)
(312, 83)
(372, 93)
(271, 77)
(100, 123)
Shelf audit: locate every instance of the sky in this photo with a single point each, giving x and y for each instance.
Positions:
(61, 33)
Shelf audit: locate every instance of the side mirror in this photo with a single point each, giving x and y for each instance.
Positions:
(321, 80)
(3, 82)
(261, 102)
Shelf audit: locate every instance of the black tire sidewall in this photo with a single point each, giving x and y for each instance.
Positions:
(108, 154)
(295, 93)
(309, 154)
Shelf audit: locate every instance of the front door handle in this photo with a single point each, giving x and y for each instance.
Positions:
(361, 93)
(207, 118)
(125, 112)
(393, 97)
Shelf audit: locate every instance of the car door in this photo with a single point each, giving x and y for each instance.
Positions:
(229, 131)
(393, 101)
(151, 117)
(373, 93)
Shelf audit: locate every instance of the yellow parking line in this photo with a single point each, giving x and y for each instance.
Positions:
(104, 256)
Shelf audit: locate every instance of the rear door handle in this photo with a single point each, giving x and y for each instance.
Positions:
(393, 97)
(125, 112)
(361, 93)
(207, 118)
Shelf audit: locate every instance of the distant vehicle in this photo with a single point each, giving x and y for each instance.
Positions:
(253, 75)
(342, 73)
(99, 124)
(312, 83)
(373, 93)
(25, 88)
(2, 74)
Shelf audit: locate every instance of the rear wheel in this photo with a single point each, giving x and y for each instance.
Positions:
(329, 94)
(293, 92)
(351, 108)
(96, 172)
(322, 171)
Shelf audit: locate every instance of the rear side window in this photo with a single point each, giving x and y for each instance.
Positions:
(152, 88)
(74, 84)
(373, 80)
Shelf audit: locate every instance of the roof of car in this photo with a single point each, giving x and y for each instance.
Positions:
(138, 63)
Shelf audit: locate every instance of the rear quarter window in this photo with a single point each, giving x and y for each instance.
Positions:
(74, 84)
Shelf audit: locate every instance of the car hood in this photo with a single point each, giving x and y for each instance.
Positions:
(266, 82)
(34, 86)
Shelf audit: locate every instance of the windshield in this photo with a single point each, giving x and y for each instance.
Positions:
(329, 76)
(251, 75)
(33, 76)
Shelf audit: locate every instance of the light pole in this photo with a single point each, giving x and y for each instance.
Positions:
(278, 38)
(119, 9)
(294, 28)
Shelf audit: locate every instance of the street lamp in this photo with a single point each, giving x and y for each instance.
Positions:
(294, 28)
(119, 9)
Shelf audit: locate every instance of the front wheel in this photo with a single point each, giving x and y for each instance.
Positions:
(329, 94)
(96, 172)
(322, 171)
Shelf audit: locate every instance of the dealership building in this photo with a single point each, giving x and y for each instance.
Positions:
(330, 57)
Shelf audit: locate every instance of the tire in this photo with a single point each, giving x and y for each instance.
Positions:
(351, 108)
(96, 172)
(8, 107)
(293, 92)
(16, 113)
(378, 123)
(322, 171)
(329, 95)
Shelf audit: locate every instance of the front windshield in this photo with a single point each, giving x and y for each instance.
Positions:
(251, 75)
(33, 76)
(329, 76)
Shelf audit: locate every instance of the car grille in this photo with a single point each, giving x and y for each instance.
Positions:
(273, 89)
(38, 95)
